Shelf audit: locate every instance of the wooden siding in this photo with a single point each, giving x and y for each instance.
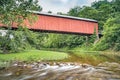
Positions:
(60, 24)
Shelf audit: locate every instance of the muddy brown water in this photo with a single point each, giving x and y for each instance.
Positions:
(61, 71)
(73, 70)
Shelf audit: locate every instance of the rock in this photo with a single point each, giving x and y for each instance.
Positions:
(111, 65)
(65, 71)
(85, 65)
(96, 79)
(2, 68)
(28, 66)
(15, 64)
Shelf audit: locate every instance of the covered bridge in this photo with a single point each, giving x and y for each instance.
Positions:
(63, 24)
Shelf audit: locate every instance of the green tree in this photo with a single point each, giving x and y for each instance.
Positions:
(115, 8)
(97, 4)
(60, 41)
(15, 12)
(111, 39)
(115, 5)
(88, 12)
(15, 41)
(74, 11)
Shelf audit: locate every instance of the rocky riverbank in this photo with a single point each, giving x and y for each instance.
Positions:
(60, 71)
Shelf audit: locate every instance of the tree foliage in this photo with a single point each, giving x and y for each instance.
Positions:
(16, 41)
(53, 40)
(107, 14)
(74, 11)
(14, 12)
(111, 39)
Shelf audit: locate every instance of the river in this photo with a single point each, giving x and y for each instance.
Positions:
(61, 71)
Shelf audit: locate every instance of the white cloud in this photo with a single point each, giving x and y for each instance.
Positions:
(64, 1)
(63, 5)
(57, 5)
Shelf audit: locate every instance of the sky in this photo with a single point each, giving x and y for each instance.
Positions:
(62, 5)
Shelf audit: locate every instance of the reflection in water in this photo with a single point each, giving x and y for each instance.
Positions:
(61, 71)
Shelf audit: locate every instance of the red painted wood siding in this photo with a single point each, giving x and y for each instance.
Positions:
(59, 24)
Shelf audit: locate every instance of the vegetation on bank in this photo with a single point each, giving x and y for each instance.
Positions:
(88, 57)
(97, 57)
(33, 55)
(111, 38)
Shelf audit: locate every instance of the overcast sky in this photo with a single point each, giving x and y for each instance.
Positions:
(62, 5)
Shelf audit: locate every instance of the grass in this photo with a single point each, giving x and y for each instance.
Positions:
(34, 55)
(89, 57)
(95, 58)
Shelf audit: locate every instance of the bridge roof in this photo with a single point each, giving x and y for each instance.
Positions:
(63, 16)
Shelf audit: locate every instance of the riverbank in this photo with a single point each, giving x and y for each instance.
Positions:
(65, 65)
(96, 57)
(34, 55)
(88, 57)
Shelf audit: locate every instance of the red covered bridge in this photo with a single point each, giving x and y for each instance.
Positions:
(63, 24)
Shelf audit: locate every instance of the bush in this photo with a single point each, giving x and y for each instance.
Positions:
(111, 39)
(53, 40)
(15, 41)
